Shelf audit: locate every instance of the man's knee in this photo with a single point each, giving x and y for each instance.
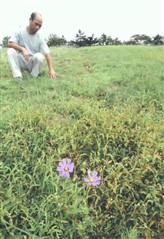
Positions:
(11, 52)
(39, 57)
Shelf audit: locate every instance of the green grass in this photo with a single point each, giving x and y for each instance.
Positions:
(105, 112)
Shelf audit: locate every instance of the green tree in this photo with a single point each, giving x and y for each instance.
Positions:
(54, 40)
(107, 40)
(139, 39)
(82, 40)
(79, 39)
(103, 40)
(158, 40)
(5, 41)
(146, 39)
(116, 41)
(135, 39)
(90, 41)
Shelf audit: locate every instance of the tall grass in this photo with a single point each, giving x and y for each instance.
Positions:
(105, 112)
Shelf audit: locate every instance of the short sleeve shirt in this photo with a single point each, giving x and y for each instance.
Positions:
(33, 43)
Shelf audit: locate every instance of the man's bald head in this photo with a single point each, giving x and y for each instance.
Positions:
(35, 22)
(34, 15)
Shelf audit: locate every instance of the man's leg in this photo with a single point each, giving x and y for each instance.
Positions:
(35, 64)
(13, 59)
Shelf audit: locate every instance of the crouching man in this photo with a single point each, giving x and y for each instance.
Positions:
(27, 50)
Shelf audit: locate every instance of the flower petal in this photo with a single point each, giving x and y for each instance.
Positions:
(68, 160)
(89, 173)
(64, 174)
(86, 180)
(64, 160)
(94, 173)
(61, 164)
(95, 183)
(71, 166)
(59, 168)
(67, 174)
(98, 179)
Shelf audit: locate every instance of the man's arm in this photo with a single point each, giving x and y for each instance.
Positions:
(19, 48)
(52, 72)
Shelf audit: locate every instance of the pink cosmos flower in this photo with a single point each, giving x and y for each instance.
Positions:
(65, 167)
(93, 179)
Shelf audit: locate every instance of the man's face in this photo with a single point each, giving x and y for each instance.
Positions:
(35, 24)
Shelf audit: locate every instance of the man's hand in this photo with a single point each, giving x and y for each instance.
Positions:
(52, 74)
(25, 54)
(20, 49)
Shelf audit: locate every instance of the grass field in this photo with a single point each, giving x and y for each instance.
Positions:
(104, 112)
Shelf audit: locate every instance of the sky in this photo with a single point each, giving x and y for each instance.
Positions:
(115, 18)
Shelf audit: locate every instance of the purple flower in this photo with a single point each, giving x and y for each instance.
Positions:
(93, 179)
(65, 167)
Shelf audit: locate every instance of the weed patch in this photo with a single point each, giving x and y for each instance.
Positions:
(112, 126)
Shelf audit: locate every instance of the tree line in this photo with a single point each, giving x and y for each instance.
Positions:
(81, 40)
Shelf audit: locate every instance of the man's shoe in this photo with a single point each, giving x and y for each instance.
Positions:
(18, 78)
